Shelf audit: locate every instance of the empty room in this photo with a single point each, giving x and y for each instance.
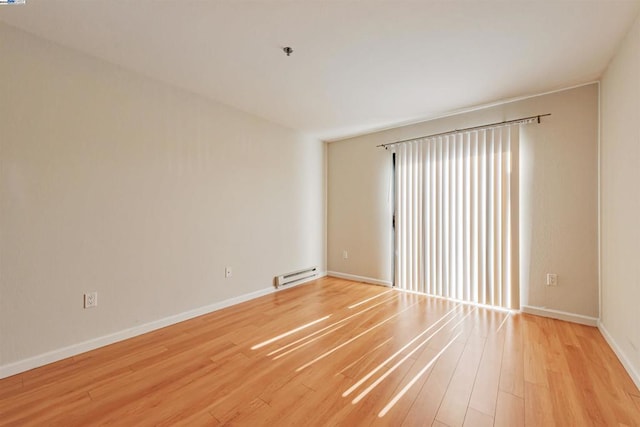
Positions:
(306, 212)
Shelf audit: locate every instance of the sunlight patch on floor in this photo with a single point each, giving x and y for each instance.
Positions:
(369, 299)
(280, 349)
(410, 384)
(394, 355)
(336, 348)
(286, 334)
(397, 365)
(364, 355)
(503, 322)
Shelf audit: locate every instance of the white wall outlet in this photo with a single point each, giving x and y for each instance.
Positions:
(90, 300)
(552, 279)
(228, 272)
(345, 254)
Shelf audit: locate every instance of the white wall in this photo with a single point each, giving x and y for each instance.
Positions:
(360, 209)
(558, 192)
(620, 201)
(115, 183)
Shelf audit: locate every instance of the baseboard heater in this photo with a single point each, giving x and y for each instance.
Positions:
(295, 276)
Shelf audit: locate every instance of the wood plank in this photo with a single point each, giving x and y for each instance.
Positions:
(512, 369)
(566, 402)
(10, 386)
(537, 405)
(456, 400)
(534, 351)
(41, 412)
(636, 400)
(477, 419)
(589, 386)
(509, 410)
(196, 419)
(485, 389)
(324, 404)
(427, 402)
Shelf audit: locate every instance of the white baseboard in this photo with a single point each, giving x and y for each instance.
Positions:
(560, 315)
(633, 373)
(82, 347)
(359, 278)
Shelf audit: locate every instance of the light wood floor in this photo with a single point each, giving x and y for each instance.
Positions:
(335, 352)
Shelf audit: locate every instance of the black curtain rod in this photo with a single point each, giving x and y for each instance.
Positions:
(506, 122)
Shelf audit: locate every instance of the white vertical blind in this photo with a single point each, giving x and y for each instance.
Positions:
(456, 197)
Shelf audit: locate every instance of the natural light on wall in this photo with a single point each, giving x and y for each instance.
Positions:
(456, 216)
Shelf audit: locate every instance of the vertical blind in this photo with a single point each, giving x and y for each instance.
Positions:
(456, 216)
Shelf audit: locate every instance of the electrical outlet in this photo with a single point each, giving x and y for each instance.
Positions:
(90, 300)
(552, 279)
(345, 254)
(228, 272)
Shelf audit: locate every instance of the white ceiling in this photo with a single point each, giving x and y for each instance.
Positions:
(357, 66)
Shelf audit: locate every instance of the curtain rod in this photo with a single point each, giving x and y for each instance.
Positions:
(506, 122)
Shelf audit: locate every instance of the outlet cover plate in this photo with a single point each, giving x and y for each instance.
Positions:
(90, 300)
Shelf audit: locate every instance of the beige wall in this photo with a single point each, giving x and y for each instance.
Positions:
(113, 182)
(620, 201)
(359, 209)
(558, 191)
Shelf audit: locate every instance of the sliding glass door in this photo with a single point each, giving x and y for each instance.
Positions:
(456, 219)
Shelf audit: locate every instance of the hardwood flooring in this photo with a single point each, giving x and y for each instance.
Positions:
(335, 352)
